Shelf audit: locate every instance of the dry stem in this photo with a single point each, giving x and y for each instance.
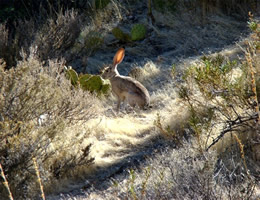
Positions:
(241, 147)
(6, 183)
(253, 84)
(38, 178)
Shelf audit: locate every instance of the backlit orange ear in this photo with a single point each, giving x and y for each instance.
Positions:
(119, 56)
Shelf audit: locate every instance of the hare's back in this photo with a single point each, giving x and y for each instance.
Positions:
(125, 83)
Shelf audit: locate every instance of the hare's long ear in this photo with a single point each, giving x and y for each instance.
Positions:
(119, 56)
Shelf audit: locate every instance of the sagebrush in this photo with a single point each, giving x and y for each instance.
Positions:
(37, 106)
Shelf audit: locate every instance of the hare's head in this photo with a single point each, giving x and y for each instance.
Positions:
(108, 72)
(111, 71)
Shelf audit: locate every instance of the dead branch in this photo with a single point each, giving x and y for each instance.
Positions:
(232, 126)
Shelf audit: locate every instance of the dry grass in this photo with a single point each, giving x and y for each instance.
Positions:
(173, 174)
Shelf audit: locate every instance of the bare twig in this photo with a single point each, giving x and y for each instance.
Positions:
(150, 13)
(232, 127)
(38, 178)
(6, 183)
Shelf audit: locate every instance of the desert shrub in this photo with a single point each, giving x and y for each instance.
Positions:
(224, 94)
(52, 38)
(37, 106)
(234, 8)
(63, 34)
(101, 4)
(205, 8)
(231, 8)
(223, 101)
(15, 39)
(10, 47)
(91, 37)
(4, 43)
(14, 10)
(163, 5)
(57, 35)
(224, 105)
(88, 42)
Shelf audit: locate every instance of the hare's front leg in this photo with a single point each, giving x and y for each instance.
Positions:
(118, 104)
(119, 100)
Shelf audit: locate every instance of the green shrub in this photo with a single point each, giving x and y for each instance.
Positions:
(94, 83)
(163, 5)
(87, 43)
(120, 35)
(100, 4)
(219, 92)
(93, 40)
(88, 82)
(138, 32)
(223, 99)
(72, 75)
(214, 76)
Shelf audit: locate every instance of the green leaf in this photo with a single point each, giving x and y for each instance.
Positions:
(138, 32)
(72, 75)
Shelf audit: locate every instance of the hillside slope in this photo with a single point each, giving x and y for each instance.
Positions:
(126, 140)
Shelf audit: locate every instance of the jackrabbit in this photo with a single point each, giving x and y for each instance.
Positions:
(125, 88)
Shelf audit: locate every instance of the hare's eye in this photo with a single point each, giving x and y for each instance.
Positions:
(104, 70)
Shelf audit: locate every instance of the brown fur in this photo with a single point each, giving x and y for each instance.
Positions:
(125, 88)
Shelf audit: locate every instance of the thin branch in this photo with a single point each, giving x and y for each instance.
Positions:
(6, 183)
(38, 178)
(236, 123)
